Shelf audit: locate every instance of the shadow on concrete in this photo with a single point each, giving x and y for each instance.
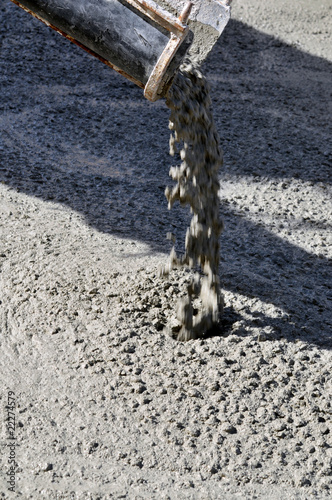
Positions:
(74, 132)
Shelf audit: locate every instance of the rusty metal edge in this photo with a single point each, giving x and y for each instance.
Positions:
(154, 86)
(91, 52)
(153, 90)
(159, 15)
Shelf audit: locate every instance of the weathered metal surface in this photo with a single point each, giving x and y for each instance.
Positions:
(214, 13)
(160, 16)
(71, 39)
(135, 37)
(207, 21)
(184, 16)
(155, 85)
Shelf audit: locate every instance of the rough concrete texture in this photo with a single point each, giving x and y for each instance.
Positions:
(107, 406)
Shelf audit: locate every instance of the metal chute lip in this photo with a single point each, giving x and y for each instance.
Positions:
(154, 86)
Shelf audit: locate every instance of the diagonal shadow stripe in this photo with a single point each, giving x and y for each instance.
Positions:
(74, 132)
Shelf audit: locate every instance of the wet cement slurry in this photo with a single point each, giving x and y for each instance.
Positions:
(197, 184)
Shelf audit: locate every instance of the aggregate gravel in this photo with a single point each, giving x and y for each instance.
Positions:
(108, 404)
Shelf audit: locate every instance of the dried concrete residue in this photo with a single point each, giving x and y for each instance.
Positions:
(192, 126)
(207, 20)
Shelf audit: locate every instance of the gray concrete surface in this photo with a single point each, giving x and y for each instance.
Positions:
(107, 405)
